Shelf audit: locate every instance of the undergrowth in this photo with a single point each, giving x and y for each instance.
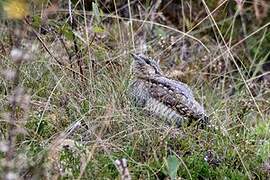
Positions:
(80, 119)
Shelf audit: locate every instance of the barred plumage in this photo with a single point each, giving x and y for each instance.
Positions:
(164, 97)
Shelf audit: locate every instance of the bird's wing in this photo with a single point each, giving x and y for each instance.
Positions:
(182, 87)
(177, 86)
(176, 95)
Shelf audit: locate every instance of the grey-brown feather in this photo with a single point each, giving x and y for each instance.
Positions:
(162, 96)
(141, 94)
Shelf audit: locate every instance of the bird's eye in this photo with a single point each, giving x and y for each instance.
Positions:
(147, 61)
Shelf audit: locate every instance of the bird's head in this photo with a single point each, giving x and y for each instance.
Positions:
(143, 67)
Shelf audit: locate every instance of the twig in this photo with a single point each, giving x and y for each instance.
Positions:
(46, 48)
(68, 53)
(75, 44)
(153, 11)
(42, 43)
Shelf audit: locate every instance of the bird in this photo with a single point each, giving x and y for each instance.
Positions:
(161, 96)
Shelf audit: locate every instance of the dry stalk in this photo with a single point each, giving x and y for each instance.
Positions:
(18, 106)
(122, 167)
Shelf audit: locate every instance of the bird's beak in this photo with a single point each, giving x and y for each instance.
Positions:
(135, 56)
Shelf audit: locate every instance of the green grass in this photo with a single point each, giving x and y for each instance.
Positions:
(238, 134)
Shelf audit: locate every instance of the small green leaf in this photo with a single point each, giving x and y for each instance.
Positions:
(67, 32)
(98, 29)
(36, 21)
(173, 165)
(160, 32)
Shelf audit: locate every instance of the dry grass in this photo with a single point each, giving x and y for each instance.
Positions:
(80, 119)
